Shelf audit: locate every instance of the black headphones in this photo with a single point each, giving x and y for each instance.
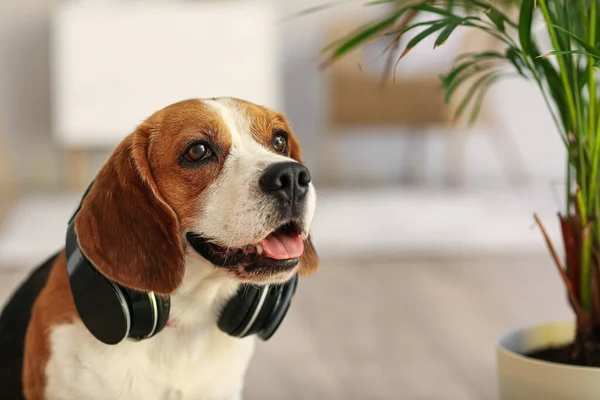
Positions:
(112, 312)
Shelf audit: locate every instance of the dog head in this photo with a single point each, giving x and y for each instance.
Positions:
(222, 178)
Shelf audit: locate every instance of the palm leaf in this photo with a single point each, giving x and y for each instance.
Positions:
(445, 34)
(422, 36)
(588, 48)
(483, 90)
(363, 35)
(481, 82)
(456, 83)
(497, 18)
(514, 57)
(525, 20)
(473, 60)
(563, 52)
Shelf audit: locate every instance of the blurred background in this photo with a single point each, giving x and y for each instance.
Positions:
(424, 227)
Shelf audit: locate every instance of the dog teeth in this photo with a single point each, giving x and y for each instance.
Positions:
(259, 249)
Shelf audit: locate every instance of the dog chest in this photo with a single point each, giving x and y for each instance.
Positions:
(174, 365)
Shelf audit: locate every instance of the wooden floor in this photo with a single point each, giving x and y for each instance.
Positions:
(397, 330)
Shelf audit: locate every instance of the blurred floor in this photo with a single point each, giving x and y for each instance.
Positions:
(403, 330)
(397, 329)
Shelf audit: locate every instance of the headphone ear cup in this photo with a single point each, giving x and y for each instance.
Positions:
(282, 305)
(100, 303)
(164, 309)
(260, 317)
(239, 310)
(110, 311)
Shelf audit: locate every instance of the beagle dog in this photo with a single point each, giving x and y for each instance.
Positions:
(204, 197)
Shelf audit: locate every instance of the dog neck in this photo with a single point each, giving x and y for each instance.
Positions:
(204, 292)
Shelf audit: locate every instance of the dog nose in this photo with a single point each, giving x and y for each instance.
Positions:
(287, 181)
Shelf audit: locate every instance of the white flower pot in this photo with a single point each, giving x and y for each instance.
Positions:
(524, 378)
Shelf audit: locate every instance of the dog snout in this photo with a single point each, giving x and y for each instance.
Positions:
(287, 182)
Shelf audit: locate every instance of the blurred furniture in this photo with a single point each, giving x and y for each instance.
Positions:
(412, 104)
(117, 62)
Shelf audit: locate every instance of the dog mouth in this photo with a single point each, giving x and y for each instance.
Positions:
(278, 252)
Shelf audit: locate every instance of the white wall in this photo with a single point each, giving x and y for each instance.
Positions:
(25, 104)
(24, 88)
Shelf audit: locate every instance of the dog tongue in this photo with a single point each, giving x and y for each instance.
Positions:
(282, 247)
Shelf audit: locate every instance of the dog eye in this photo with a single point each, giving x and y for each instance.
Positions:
(280, 143)
(197, 152)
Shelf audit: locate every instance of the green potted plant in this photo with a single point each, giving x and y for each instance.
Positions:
(556, 360)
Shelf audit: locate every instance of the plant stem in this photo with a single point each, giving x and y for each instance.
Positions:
(561, 64)
(591, 78)
(585, 285)
(597, 223)
(595, 159)
(594, 198)
(582, 11)
(582, 315)
(593, 195)
(593, 133)
(569, 184)
(586, 272)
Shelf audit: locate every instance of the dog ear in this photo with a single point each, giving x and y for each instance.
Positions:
(124, 226)
(309, 260)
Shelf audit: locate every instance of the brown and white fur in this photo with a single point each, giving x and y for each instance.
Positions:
(132, 226)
